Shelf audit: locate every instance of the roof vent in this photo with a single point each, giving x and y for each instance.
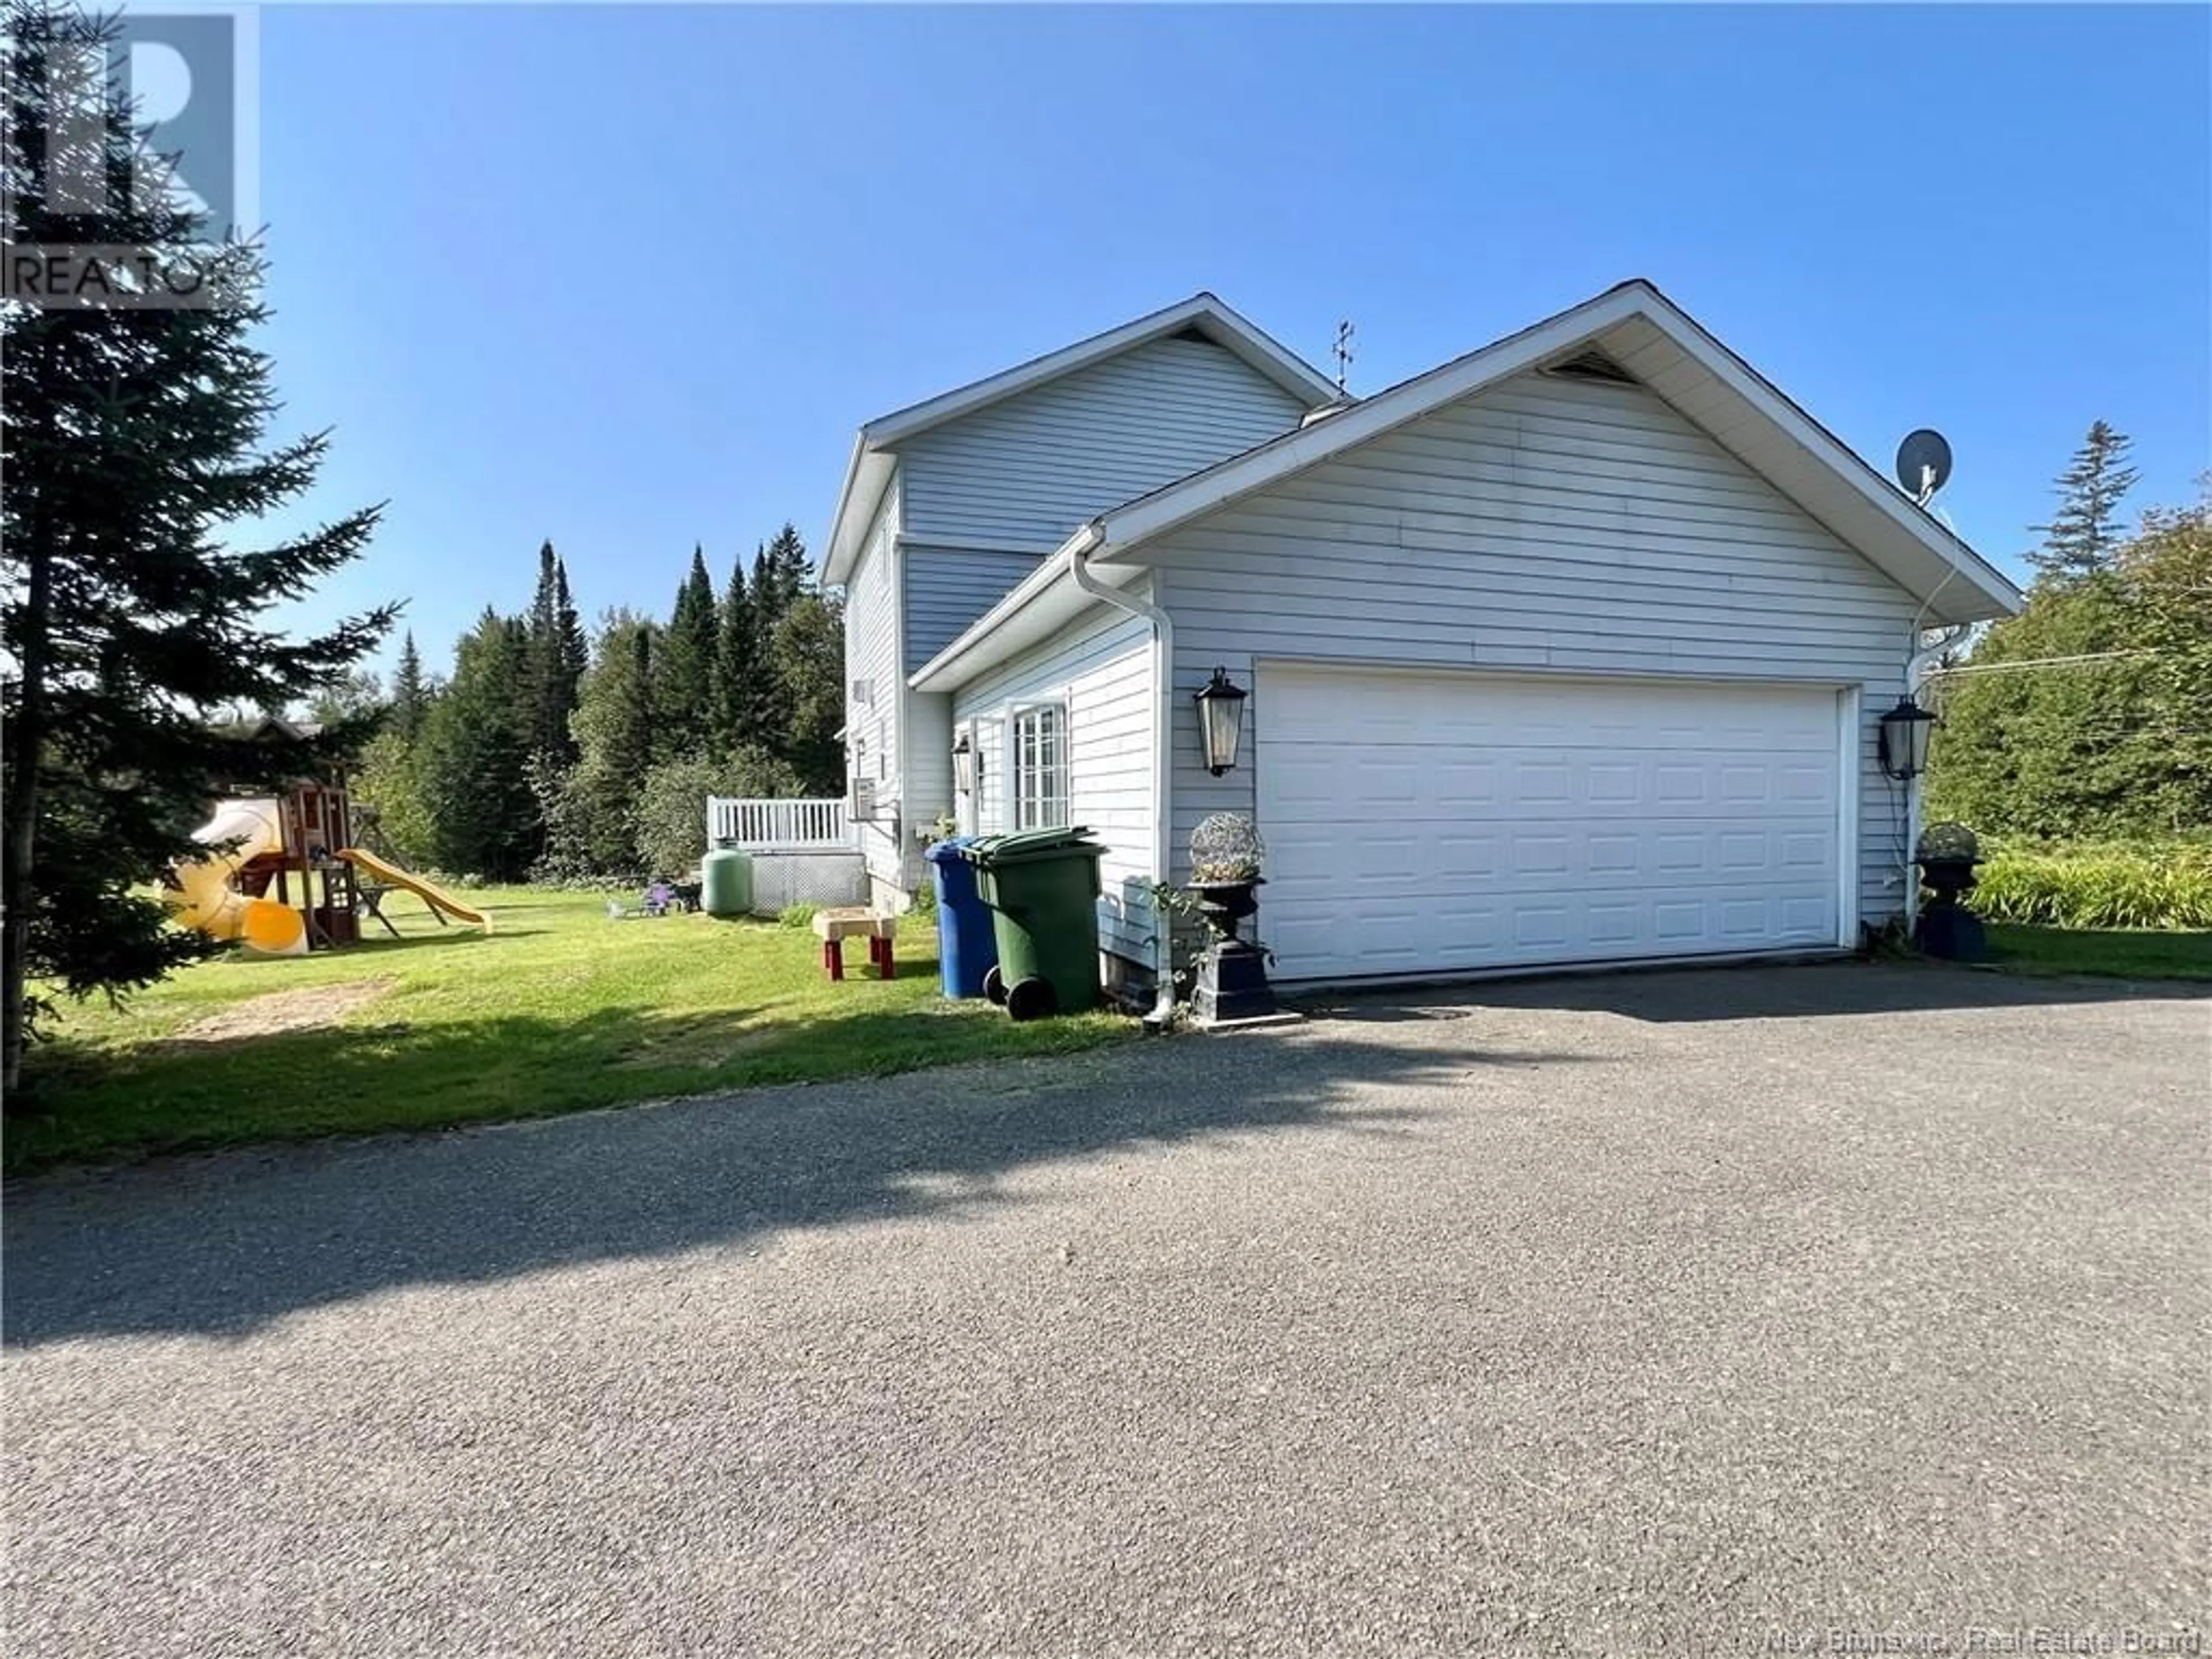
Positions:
(1592, 366)
(1334, 406)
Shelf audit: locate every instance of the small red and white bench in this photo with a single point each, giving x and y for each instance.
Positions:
(835, 925)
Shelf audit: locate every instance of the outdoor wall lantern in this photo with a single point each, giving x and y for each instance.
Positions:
(963, 766)
(1904, 731)
(1220, 721)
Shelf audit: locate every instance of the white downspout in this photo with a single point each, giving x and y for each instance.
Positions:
(1078, 566)
(1916, 667)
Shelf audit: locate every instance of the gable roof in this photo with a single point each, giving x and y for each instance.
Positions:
(869, 468)
(1642, 331)
(1637, 329)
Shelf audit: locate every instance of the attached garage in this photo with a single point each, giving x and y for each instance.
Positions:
(1421, 823)
(1571, 651)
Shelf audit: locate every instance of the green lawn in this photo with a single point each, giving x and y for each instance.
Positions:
(2123, 954)
(558, 1010)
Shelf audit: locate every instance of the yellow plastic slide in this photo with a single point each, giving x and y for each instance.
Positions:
(204, 898)
(392, 875)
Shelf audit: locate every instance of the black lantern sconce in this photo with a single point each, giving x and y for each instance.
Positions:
(1220, 721)
(963, 766)
(1905, 734)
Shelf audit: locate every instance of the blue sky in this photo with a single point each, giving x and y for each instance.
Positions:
(629, 278)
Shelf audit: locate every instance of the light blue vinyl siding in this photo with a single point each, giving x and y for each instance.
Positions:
(978, 502)
(1021, 475)
(1101, 666)
(947, 588)
(926, 780)
(1546, 525)
(873, 735)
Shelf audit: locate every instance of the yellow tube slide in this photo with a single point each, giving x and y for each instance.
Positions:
(204, 898)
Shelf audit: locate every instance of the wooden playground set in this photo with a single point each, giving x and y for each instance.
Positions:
(295, 872)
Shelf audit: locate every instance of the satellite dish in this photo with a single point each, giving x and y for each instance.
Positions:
(1923, 463)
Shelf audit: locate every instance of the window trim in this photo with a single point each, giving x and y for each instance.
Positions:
(968, 810)
(1017, 773)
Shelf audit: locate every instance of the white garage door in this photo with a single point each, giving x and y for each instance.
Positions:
(1421, 823)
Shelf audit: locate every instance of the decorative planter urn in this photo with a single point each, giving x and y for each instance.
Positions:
(1232, 972)
(1946, 856)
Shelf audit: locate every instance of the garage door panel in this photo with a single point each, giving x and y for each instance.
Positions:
(1676, 850)
(1463, 786)
(1808, 916)
(1537, 855)
(1436, 862)
(1814, 785)
(1743, 918)
(1576, 930)
(1304, 788)
(1543, 782)
(1805, 850)
(1615, 922)
(1613, 783)
(1440, 823)
(1540, 926)
(1748, 850)
(1744, 785)
(1614, 853)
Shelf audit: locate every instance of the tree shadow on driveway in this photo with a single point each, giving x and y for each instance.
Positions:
(220, 1244)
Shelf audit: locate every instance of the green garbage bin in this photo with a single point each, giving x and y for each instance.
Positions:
(1043, 889)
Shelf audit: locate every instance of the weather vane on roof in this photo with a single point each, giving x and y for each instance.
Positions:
(1343, 352)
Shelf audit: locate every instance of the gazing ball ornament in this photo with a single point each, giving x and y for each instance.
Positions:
(1225, 848)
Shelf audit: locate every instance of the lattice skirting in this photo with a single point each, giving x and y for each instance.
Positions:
(781, 879)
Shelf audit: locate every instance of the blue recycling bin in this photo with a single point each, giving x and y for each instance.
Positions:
(967, 938)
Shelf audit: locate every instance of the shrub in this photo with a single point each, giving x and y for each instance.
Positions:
(670, 812)
(925, 902)
(2094, 886)
(796, 916)
(599, 881)
(454, 881)
(390, 779)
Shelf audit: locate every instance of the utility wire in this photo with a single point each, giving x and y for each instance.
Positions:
(2042, 662)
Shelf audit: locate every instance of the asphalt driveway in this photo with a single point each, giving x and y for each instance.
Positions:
(1690, 1312)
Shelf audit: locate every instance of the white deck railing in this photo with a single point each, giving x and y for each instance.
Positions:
(760, 826)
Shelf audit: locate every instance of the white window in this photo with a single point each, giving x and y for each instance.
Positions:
(1039, 742)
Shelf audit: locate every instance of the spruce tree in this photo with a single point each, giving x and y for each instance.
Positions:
(410, 693)
(476, 749)
(790, 572)
(767, 600)
(782, 576)
(575, 649)
(553, 643)
(547, 724)
(684, 678)
(614, 724)
(781, 573)
(635, 716)
(137, 452)
(809, 658)
(736, 660)
(2084, 536)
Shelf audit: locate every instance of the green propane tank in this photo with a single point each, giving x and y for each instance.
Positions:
(726, 882)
